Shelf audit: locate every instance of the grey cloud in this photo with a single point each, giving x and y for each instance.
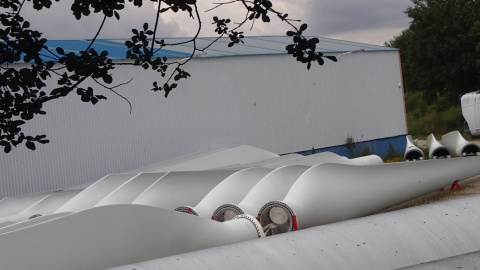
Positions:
(58, 22)
(336, 17)
(324, 17)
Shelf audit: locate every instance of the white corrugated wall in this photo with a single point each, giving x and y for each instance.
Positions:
(267, 101)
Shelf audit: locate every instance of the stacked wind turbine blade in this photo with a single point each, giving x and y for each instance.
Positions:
(392, 240)
(274, 185)
(329, 193)
(435, 149)
(231, 189)
(181, 188)
(113, 235)
(412, 152)
(458, 146)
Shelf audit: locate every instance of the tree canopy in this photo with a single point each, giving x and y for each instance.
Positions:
(441, 48)
(23, 92)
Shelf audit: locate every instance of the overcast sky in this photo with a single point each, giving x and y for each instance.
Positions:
(366, 21)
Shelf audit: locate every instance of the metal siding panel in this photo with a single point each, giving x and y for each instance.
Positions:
(269, 102)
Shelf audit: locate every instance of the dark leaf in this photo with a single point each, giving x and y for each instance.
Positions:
(267, 4)
(303, 27)
(265, 18)
(107, 78)
(333, 58)
(30, 145)
(7, 147)
(291, 33)
(320, 61)
(60, 51)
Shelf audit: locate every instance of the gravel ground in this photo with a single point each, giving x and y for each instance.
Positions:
(468, 186)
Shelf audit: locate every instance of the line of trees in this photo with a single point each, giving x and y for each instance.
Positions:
(440, 51)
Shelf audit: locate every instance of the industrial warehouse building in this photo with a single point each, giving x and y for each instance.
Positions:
(251, 94)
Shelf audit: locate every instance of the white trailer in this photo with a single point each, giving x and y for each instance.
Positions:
(471, 111)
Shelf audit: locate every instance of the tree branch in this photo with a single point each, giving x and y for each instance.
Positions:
(116, 93)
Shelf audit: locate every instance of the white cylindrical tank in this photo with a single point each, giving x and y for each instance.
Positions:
(412, 152)
(435, 149)
(458, 146)
(273, 186)
(181, 188)
(329, 193)
(232, 189)
(114, 235)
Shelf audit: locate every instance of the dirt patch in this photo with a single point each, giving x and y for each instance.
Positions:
(468, 186)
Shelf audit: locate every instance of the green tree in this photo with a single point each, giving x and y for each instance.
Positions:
(440, 50)
(23, 92)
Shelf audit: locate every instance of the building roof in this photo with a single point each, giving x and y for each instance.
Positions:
(253, 45)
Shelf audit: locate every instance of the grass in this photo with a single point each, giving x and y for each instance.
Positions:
(438, 118)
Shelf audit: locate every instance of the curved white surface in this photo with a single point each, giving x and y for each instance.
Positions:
(365, 160)
(458, 146)
(113, 235)
(159, 165)
(130, 190)
(269, 161)
(44, 207)
(263, 163)
(272, 187)
(328, 157)
(181, 188)
(383, 241)
(6, 223)
(311, 160)
(232, 189)
(94, 193)
(238, 155)
(14, 205)
(329, 193)
(30, 222)
(436, 149)
(464, 261)
(412, 152)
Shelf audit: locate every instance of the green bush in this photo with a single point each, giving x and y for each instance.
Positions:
(438, 118)
(354, 151)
